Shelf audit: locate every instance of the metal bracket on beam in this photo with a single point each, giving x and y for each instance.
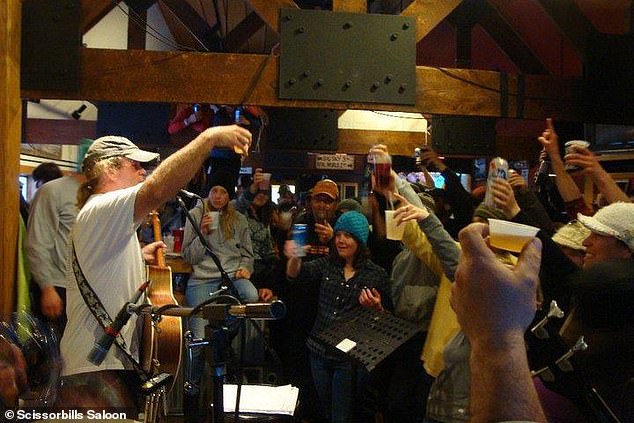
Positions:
(347, 57)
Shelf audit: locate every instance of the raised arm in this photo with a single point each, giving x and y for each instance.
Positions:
(589, 164)
(495, 305)
(178, 169)
(566, 186)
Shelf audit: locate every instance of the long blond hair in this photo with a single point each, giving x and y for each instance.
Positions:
(228, 217)
(93, 173)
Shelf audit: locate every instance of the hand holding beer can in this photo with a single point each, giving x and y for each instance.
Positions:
(498, 168)
(300, 236)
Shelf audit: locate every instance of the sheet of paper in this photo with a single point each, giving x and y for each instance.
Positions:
(346, 345)
(262, 399)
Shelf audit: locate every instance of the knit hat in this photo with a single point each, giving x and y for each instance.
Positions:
(349, 204)
(327, 187)
(355, 224)
(225, 179)
(616, 220)
(572, 236)
(113, 146)
(485, 212)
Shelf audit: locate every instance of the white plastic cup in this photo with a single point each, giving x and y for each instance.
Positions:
(571, 147)
(215, 219)
(510, 236)
(265, 183)
(392, 230)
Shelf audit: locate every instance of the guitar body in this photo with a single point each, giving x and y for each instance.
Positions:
(162, 342)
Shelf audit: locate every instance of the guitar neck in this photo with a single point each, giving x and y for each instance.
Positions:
(156, 228)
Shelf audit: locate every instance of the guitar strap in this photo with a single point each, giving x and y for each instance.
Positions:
(103, 318)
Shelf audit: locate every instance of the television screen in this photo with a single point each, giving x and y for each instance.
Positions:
(613, 138)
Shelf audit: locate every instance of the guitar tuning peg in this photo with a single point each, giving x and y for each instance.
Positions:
(564, 361)
(553, 312)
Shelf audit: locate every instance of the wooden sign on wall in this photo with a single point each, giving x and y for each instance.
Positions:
(334, 161)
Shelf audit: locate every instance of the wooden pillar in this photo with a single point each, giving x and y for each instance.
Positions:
(10, 126)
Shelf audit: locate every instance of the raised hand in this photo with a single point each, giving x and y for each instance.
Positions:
(230, 136)
(504, 197)
(407, 211)
(516, 180)
(429, 156)
(584, 159)
(550, 139)
(494, 302)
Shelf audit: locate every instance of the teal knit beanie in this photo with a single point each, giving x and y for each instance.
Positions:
(355, 224)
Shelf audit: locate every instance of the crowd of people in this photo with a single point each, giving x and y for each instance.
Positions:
(480, 310)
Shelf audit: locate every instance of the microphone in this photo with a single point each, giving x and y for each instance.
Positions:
(264, 311)
(258, 311)
(102, 346)
(190, 194)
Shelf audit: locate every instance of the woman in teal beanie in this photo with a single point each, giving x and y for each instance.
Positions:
(348, 280)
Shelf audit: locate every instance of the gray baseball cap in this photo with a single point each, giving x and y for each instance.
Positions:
(113, 146)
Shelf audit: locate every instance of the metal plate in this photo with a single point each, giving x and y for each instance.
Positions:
(303, 129)
(347, 57)
(51, 39)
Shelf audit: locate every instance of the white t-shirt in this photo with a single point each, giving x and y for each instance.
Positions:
(111, 259)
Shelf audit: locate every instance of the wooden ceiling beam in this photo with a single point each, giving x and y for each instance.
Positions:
(356, 141)
(155, 76)
(269, 11)
(353, 6)
(58, 131)
(242, 32)
(190, 19)
(428, 14)
(494, 23)
(92, 11)
(571, 22)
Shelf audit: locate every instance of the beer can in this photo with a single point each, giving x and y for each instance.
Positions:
(300, 236)
(498, 168)
(417, 156)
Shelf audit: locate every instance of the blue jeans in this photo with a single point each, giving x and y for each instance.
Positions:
(333, 381)
(196, 294)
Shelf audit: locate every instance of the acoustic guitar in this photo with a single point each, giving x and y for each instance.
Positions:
(162, 338)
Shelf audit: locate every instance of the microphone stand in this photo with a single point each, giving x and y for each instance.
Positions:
(226, 280)
(216, 336)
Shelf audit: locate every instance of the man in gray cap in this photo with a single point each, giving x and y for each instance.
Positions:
(113, 201)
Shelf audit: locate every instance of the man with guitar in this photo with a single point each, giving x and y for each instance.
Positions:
(107, 260)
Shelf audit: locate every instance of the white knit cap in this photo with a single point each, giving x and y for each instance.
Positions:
(572, 236)
(616, 219)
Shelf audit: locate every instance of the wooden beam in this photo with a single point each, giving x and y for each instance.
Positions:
(155, 76)
(353, 6)
(58, 131)
(241, 33)
(10, 127)
(181, 35)
(509, 40)
(92, 11)
(355, 141)
(428, 14)
(572, 23)
(136, 30)
(269, 11)
(190, 19)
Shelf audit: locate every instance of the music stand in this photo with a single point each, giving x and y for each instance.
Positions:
(367, 336)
